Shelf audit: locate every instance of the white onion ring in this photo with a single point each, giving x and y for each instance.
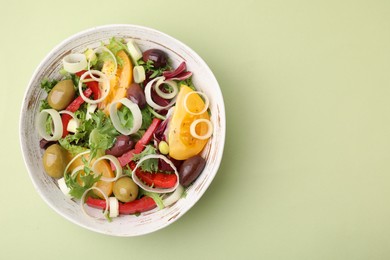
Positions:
(83, 202)
(137, 116)
(103, 79)
(113, 57)
(148, 188)
(139, 74)
(74, 62)
(114, 160)
(166, 95)
(41, 124)
(206, 105)
(76, 170)
(148, 95)
(209, 129)
(173, 197)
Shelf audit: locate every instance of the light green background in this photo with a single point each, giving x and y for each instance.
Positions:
(306, 169)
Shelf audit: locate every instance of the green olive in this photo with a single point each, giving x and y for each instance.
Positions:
(61, 95)
(55, 161)
(125, 189)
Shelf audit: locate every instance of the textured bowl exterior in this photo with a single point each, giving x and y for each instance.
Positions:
(203, 79)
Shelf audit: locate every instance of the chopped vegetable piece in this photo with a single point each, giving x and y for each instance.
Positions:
(133, 207)
(147, 137)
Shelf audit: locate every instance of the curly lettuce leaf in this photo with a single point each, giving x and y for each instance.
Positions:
(154, 72)
(150, 165)
(43, 104)
(48, 85)
(126, 117)
(87, 180)
(155, 196)
(97, 134)
(102, 137)
(115, 45)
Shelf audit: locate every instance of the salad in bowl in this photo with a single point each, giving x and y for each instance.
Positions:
(123, 133)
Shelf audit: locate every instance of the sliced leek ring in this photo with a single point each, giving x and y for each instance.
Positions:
(137, 116)
(207, 134)
(57, 122)
(102, 80)
(114, 160)
(74, 62)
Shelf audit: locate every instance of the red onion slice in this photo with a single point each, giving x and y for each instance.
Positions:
(171, 74)
(183, 76)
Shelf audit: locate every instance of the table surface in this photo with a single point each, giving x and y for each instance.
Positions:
(305, 172)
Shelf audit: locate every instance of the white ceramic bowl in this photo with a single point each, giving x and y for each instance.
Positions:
(47, 187)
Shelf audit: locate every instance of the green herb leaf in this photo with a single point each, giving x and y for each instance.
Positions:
(77, 190)
(91, 57)
(155, 196)
(75, 80)
(97, 133)
(102, 137)
(48, 85)
(155, 74)
(127, 170)
(44, 105)
(146, 118)
(149, 67)
(69, 144)
(150, 165)
(126, 117)
(188, 82)
(49, 125)
(115, 46)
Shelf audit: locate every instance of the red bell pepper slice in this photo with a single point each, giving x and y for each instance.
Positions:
(96, 203)
(92, 88)
(73, 107)
(155, 179)
(93, 85)
(148, 135)
(126, 158)
(136, 206)
(65, 118)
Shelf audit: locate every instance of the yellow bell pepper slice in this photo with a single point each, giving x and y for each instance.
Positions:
(182, 145)
(120, 82)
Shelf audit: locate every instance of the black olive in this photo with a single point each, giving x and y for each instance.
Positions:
(158, 57)
(137, 95)
(122, 144)
(191, 169)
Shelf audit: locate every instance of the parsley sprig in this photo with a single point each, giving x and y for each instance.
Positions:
(79, 183)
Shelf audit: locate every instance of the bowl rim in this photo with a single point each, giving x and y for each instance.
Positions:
(58, 47)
